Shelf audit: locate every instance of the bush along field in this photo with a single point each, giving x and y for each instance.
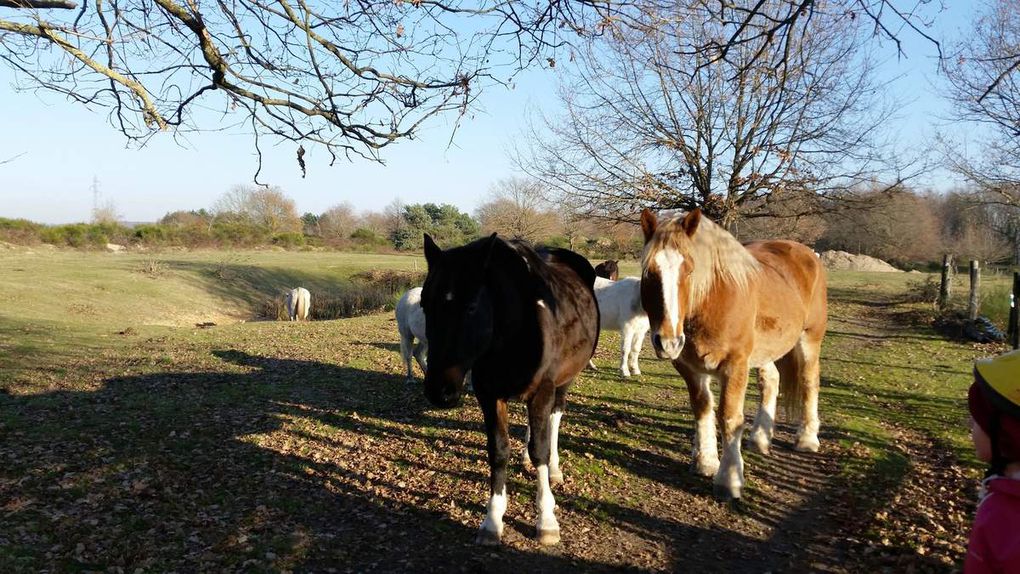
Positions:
(132, 440)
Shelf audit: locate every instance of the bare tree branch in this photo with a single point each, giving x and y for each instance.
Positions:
(38, 4)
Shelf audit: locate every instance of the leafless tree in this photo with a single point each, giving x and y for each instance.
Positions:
(901, 226)
(354, 77)
(517, 208)
(268, 207)
(338, 222)
(985, 79)
(105, 212)
(648, 124)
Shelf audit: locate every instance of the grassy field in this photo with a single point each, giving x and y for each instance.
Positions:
(131, 440)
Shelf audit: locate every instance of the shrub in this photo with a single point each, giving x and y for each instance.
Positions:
(20, 231)
(289, 239)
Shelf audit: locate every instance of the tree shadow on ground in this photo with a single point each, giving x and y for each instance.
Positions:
(274, 463)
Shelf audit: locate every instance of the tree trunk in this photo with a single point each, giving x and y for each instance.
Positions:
(945, 287)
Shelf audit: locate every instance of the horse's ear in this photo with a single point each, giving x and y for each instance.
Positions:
(648, 223)
(489, 245)
(691, 221)
(432, 251)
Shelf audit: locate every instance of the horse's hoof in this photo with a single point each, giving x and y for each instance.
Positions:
(555, 477)
(725, 492)
(549, 536)
(487, 538)
(807, 444)
(760, 441)
(705, 467)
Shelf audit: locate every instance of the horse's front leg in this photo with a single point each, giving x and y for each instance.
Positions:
(705, 452)
(765, 421)
(496, 431)
(539, 418)
(730, 479)
(637, 338)
(625, 344)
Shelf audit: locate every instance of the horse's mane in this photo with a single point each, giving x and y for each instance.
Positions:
(717, 256)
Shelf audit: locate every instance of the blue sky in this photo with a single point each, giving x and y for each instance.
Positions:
(64, 146)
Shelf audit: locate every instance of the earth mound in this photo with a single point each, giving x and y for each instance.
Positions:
(843, 261)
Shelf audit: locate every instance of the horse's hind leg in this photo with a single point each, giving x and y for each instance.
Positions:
(421, 350)
(498, 442)
(765, 421)
(405, 353)
(808, 382)
(539, 418)
(559, 404)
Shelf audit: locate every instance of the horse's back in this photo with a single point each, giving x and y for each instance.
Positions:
(619, 301)
(792, 287)
(573, 329)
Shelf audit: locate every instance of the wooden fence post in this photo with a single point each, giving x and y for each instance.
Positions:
(945, 287)
(1014, 314)
(975, 288)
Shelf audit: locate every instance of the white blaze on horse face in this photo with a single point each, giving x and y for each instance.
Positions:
(670, 262)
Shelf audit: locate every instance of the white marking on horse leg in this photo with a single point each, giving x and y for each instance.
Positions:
(706, 449)
(765, 421)
(548, 528)
(555, 474)
(730, 478)
(492, 527)
(807, 434)
(525, 456)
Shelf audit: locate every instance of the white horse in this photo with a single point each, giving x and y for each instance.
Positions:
(411, 325)
(299, 304)
(620, 309)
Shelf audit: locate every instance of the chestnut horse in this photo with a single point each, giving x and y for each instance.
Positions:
(717, 309)
(524, 322)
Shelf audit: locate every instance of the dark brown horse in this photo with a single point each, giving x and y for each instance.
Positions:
(610, 269)
(717, 309)
(525, 323)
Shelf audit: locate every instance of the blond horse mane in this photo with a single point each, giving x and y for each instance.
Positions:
(716, 254)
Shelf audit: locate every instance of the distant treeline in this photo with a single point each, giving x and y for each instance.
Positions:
(249, 217)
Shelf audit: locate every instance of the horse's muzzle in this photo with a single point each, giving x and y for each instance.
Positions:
(444, 389)
(668, 348)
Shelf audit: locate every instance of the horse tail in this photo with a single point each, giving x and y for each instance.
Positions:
(791, 384)
(302, 305)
